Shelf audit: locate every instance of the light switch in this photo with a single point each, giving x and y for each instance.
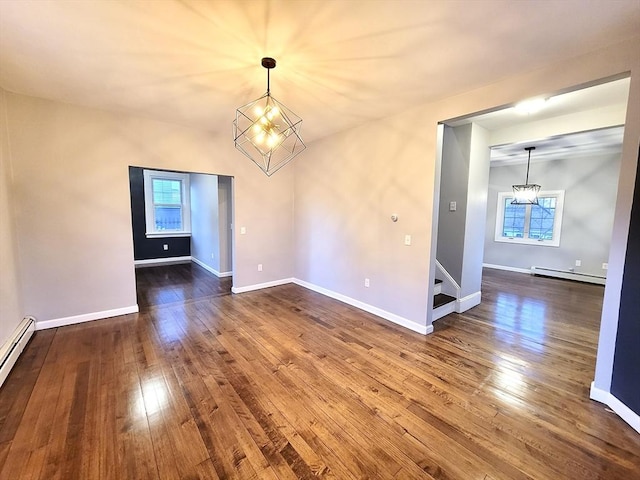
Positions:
(407, 239)
(243, 230)
(452, 206)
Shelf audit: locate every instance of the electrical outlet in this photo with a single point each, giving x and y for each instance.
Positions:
(578, 263)
(165, 247)
(605, 266)
(259, 267)
(366, 282)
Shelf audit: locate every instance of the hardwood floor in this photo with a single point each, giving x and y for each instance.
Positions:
(164, 285)
(284, 383)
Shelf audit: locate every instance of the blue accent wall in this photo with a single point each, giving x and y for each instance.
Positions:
(150, 248)
(625, 382)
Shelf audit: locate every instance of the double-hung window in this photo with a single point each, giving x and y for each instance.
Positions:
(167, 207)
(530, 224)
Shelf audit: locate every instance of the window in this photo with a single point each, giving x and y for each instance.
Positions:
(166, 201)
(530, 224)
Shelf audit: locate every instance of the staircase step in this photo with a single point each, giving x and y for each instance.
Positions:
(442, 299)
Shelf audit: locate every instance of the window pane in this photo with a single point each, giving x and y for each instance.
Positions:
(168, 218)
(513, 224)
(167, 191)
(542, 219)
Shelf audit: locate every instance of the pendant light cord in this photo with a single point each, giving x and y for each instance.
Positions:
(528, 149)
(268, 63)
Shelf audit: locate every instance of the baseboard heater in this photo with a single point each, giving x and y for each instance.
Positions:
(568, 275)
(11, 350)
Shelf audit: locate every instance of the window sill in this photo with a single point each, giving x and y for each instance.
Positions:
(168, 234)
(526, 241)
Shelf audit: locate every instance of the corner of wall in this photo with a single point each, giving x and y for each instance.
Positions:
(11, 306)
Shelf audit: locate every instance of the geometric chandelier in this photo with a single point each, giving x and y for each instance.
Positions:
(266, 131)
(526, 194)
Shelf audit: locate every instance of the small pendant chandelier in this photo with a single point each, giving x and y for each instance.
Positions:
(266, 131)
(526, 194)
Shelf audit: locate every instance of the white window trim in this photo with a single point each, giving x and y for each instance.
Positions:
(557, 222)
(149, 175)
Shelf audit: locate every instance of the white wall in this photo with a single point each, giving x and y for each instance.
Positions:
(590, 184)
(70, 190)
(475, 215)
(11, 309)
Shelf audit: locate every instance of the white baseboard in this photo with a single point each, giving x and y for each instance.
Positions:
(508, 269)
(616, 405)
(14, 346)
(211, 269)
(465, 303)
(392, 317)
(86, 317)
(569, 275)
(259, 286)
(161, 261)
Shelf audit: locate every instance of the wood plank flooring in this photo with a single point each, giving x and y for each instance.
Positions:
(183, 282)
(284, 383)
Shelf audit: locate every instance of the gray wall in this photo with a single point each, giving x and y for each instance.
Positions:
(454, 178)
(225, 216)
(11, 307)
(205, 240)
(590, 185)
(464, 177)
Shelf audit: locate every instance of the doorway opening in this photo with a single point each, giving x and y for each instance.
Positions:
(182, 232)
(482, 155)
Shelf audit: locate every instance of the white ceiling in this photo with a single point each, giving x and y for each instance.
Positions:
(588, 101)
(579, 144)
(340, 63)
(609, 94)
